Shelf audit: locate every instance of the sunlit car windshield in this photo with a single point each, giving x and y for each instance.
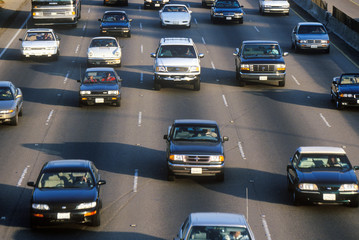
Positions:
(218, 232)
(99, 77)
(175, 9)
(197, 133)
(324, 161)
(6, 94)
(66, 180)
(103, 43)
(227, 4)
(260, 50)
(350, 79)
(311, 29)
(179, 51)
(39, 36)
(118, 17)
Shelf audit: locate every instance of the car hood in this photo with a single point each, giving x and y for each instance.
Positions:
(7, 104)
(232, 10)
(325, 177)
(196, 147)
(313, 36)
(180, 16)
(115, 24)
(276, 3)
(98, 86)
(42, 44)
(349, 88)
(178, 62)
(103, 51)
(64, 195)
(261, 60)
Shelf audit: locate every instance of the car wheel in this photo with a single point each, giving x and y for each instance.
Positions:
(104, 2)
(118, 103)
(197, 85)
(339, 104)
(128, 34)
(281, 83)
(220, 177)
(170, 176)
(241, 83)
(213, 20)
(96, 220)
(33, 224)
(145, 7)
(240, 21)
(15, 120)
(21, 110)
(295, 199)
(327, 50)
(261, 11)
(288, 185)
(354, 203)
(157, 85)
(332, 97)
(296, 49)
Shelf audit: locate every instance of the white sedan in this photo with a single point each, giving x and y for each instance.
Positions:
(175, 15)
(40, 42)
(104, 51)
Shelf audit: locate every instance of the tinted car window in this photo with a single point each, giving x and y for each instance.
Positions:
(103, 43)
(114, 17)
(100, 77)
(180, 51)
(66, 180)
(309, 161)
(6, 94)
(311, 30)
(189, 133)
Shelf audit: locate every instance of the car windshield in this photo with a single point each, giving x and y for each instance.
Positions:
(252, 50)
(350, 79)
(39, 36)
(99, 77)
(103, 43)
(65, 179)
(195, 133)
(177, 51)
(311, 29)
(175, 9)
(324, 162)
(118, 17)
(6, 94)
(218, 232)
(227, 4)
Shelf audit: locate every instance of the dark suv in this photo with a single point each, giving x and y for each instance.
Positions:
(195, 148)
(260, 61)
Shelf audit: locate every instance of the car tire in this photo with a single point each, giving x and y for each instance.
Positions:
(96, 220)
(128, 34)
(157, 85)
(240, 21)
(21, 110)
(197, 85)
(241, 83)
(33, 224)
(295, 200)
(281, 83)
(15, 120)
(104, 3)
(338, 104)
(170, 176)
(296, 48)
(327, 51)
(118, 103)
(354, 203)
(220, 177)
(145, 7)
(261, 11)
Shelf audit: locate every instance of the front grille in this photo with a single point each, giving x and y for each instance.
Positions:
(177, 69)
(98, 92)
(262, 68)
(197, 159)
(63, 207)
(38, 48)
(228, 14)
(314, 41)
(328, 188)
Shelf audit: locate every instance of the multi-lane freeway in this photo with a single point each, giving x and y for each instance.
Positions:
(265, 125)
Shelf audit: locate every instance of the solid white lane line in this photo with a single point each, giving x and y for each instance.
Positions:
(195, 20)
(241, 150)
(295, 80)
(13, 38)
(141, 48)
(224, 100)
(256, 28)
(135, 181)
(66, 77)
(139, 119)
(204, 42)
(325, 120)
(77, 48)
(214, 68)
(266, 229)
(141, 78)
(22, 176)
(49, 117)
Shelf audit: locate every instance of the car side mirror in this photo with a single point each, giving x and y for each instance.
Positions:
(241, 6)
(20, 39)
(120, 79)
(101, 182)
(285, 54)
(290, 166)
(190, 11)
(58, 38)
(356, 168)
(165, 137)
(336, 80)
(31, 184)
(225, 138)
(99, 19)
(78, 80)
(153, 55)
(130, 20)
(200, 55)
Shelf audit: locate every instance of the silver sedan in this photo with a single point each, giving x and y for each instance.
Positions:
(175, 15)
(11, 102)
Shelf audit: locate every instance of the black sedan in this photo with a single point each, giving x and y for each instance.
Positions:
(345, 90)
(322, 175)
(66, 191)
(227, 10)
(115, 23)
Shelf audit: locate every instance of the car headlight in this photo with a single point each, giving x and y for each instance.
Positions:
(267, 6)
(349, 187)
(238, 14)
(50, 48)
(286, 6)
(86, 205)
(217, 158)
(26, 48)
(346, 95)
(218, 14)
(324, 41)
(39, 206)
(245, 67)
(37, 13)
(194, 69)
(90, 54)
(281, 67)
(308, 186)
(302, 41)
(6, 111)
(148, 1)
(175, 157)
(117, 53)
(85, 92)
(113, 92)
(160, 69)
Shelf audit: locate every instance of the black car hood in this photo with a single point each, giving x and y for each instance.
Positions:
(261, 60)
(115, 24)
(196, 147)
(348, 88)
(98, 86)
(231, 10)
(334, 177)
(69, 195)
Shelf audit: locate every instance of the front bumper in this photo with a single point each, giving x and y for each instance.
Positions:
(228, 17)
(39, 52)
(102, 61)
(48, 218)
(177, 77)
(6, 117)
(262, 76)
(349, 101)
(176, 23)
(313, 46)
(196, 170)
(327, 197)
(99, 99)
(114, 31)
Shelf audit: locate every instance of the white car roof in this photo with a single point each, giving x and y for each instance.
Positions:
(176, 40)
(175, 4)
(105, 37)
(40, 30)
(321, 149)
(218, 219)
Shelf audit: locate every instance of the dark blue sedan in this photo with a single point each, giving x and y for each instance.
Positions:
(345, 90)
(115, 23)
(227, 11)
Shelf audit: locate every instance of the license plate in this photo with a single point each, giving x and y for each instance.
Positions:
(329, 197)
(157, 5)
(263, 78)
(99, 100)
(228, 18)
(63, 215)
(196, 170)
(314, 46)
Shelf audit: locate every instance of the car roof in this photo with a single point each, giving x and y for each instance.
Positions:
(100, 69)
(310, 23)
(104, 37)
(40, 30)
(115, 11)
(195, 121)
(176, 41)
(321, 149)
(175, 4)
(68, 164)
(259, 42)
(218, 219)
(5, 83)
